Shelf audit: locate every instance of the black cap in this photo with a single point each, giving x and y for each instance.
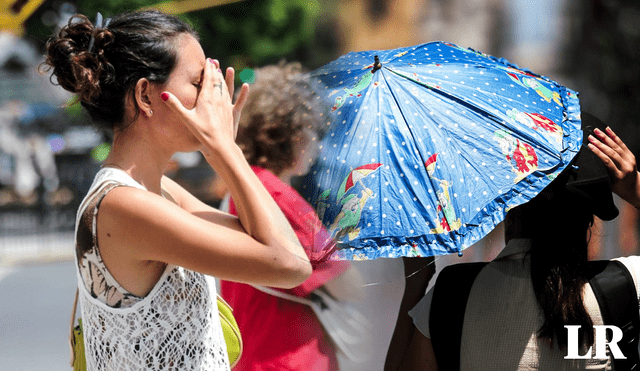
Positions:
(587, 176)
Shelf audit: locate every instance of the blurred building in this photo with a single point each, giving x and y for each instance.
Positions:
(383, 24)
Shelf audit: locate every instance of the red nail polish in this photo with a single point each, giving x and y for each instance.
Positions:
(211, 60)
(164, 96)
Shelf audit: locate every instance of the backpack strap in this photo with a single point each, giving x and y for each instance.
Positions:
(615, 291)
(611, 282)
(450, 295)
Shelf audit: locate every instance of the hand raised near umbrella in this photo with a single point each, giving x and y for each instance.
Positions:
(620, 162)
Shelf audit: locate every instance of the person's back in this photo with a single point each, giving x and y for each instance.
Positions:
(520, 303)
(281, 334)
(502, 311)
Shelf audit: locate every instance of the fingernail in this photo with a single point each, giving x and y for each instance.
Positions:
(597, 131)
(164, 96)
(591, 138)
(219, 70)
(211, 60)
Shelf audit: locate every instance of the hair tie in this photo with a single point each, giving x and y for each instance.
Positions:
(97, 24)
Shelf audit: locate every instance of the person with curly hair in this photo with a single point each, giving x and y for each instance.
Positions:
(144, 245)
(278, 134)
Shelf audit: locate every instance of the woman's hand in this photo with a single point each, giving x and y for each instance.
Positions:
(620, 162)
(213, 119)
(229, 78)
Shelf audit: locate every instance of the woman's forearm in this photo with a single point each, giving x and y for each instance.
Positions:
(257, 211)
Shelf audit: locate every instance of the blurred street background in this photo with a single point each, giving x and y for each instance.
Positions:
(49, 151)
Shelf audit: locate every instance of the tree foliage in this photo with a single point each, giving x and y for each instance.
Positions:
(257, 32)
(242, 34)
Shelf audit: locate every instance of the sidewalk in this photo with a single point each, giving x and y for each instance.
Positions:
(45, 247)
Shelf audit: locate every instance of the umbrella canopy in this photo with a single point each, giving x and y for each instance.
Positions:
(429, 146)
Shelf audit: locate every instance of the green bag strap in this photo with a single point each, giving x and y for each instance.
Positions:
(617, 297)
(72, 339)
(76, 341)
(450, 295)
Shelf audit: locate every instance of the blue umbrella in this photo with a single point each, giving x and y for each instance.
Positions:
(429, 146)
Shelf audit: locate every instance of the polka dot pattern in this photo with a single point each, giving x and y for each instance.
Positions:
(456, 137)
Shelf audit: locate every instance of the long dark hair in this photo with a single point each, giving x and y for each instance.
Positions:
(134, 45)
(559, 222)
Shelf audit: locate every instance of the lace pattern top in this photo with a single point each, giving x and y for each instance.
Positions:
(175, 327)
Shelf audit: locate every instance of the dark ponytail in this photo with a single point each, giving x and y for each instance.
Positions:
(559, 225)
(134, 45)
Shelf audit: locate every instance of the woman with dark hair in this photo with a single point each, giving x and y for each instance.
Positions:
(278, 134)
(519, 304)
(144, 245)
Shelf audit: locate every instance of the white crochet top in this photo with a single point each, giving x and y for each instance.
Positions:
(175, 327)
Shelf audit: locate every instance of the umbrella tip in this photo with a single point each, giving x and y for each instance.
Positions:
(376, 64)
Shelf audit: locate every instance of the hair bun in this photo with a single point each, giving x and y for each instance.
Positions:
(78, 69)
(102, 62)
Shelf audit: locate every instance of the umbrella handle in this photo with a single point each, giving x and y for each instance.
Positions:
(376, 64)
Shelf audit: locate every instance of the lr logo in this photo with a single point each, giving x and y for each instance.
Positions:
(601, 343)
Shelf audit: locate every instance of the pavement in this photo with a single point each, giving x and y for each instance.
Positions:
(36, 248)
(35, 314)
(37, 287)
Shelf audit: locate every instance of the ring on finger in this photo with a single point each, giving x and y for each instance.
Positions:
(218, 86)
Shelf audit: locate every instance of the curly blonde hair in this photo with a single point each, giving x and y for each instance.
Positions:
(280, 108)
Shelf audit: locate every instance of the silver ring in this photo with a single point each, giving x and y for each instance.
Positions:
(218, 86)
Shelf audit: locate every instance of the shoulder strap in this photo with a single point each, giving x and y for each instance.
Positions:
(72, 338)
(283, 295)
(611, 282)
(450, 295)
(617, 298)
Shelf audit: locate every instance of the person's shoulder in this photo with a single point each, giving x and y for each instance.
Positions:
(629, 261)
(127, 198)
(632, 263)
